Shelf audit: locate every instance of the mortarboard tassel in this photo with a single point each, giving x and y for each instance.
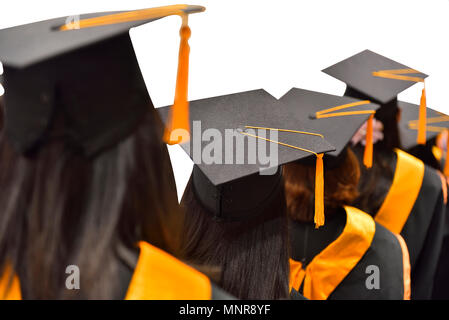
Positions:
(329, 113)
(368, 154)
(421, 138)
(178, 126)
(319, 170)
(319, 191)
(398, 74)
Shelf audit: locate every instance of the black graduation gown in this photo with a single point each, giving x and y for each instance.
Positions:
(157, 275)
(339, 256)
(412, 204)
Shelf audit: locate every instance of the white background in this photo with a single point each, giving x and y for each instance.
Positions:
(275, 45)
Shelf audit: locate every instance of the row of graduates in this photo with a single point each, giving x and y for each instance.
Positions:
(86, 180)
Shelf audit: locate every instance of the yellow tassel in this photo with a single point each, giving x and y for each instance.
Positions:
(446, 160)
(178, 125)
(421, 139)
(319, 192)
(368, 154)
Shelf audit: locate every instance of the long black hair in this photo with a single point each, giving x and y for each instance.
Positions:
(252, 255)
(59, 208)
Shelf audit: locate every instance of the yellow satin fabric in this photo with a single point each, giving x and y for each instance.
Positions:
(158, 276)
(325, 272)
(9, 290)
(403, 192)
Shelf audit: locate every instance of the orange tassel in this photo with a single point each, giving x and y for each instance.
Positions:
(446, 160)
(319, 191)
(178, 126)
(421, 139)
(368, 154)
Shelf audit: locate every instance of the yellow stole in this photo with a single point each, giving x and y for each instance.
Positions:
(160, 276)
(403, 192)
(327, 269)
(157, 275)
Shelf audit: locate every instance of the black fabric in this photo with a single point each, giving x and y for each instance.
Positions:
(337, 130)
(295, 295)
(441, 282)
(385, 252)
(88, 76)
(30, 44)
(226, 115)
(98, 91)
(306, 241)
(220, 294)
(425, 154)
(423, 232)
(231, 201)
(356, 72)
(410, 112)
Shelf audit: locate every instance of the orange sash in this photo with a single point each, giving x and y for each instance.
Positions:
(157, 275)
(9, 290)
(160, 276)
(327, 269)
(405, 266)
(403, 193)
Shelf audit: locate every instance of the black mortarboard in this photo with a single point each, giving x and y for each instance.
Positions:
(83, 69)
(436, 123)
(380, 79)
(337, 118)
(232, 114)
(357, 73)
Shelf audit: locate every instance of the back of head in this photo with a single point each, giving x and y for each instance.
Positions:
(83, 169)
(251, 254)
(340, 187)
(60, 208)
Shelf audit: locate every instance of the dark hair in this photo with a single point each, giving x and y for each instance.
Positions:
(252, 255)
(340, 187)
(376, 181)
(59, 208)
(2, 116)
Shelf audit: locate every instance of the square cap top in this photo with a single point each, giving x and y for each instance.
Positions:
(82, 69)
(357, 73)
(408, 124)
(29, 44)
(222, 115)
(338, 130)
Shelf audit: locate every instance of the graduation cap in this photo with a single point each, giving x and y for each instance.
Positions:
(84, 68)
(253, 117)
(436, 123)
(368, 74)
(337, 118)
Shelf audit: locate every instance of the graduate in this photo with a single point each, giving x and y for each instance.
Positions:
(400, 191)
(235, 218)
(433, 153)
(86, 179)
(334, 261)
